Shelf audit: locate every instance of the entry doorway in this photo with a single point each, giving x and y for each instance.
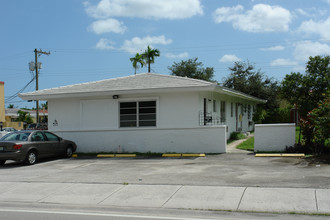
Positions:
(239, 117)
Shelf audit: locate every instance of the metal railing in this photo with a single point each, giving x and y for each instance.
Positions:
(210, 119)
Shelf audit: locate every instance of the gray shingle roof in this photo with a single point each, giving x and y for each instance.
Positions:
(143, 81)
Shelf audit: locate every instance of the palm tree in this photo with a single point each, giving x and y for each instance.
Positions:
(149, 56)
(138, 59)
(24, 117)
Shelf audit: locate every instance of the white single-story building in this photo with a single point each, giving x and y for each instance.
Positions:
(147, 113)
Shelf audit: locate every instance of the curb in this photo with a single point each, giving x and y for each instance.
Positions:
(134, 155)
(115, 155)
(280, 155)
(183, 155)
(107, 155)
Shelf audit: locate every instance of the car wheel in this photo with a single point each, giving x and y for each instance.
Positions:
(31, 158)
(69, 152)
(2, 162)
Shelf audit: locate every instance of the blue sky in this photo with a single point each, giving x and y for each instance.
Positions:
(92, 40)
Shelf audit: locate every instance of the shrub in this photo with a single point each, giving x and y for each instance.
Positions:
(320, 120)
(316, 126)
(236, 136)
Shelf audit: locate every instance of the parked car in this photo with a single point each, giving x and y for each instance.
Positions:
(37, 126)
(6, 130)
(30, 145)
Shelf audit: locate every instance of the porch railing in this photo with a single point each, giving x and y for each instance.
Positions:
(211, 119)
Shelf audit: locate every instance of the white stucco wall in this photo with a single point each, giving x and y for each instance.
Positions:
(274, 137)
(230, 120)
(180, 140)
(173, 111)
(93, 123)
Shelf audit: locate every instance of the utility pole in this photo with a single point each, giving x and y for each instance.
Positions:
(37, 53)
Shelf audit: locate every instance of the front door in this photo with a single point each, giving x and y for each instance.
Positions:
(239, 116)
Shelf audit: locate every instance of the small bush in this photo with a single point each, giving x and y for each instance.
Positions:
(236, 136)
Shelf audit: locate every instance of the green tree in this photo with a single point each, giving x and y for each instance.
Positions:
(24, 117)
(136, 61)
(244, 78)
(320, 121)
(44, 105)
(149, 56)
(191, 68)
(11, 106)
(306, 91)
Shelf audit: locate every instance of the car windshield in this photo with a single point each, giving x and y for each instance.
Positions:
(15, 137)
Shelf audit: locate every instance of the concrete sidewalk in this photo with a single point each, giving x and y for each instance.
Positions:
(254, 199)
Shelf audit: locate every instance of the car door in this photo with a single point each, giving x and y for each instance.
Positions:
(55, 143)
(39, 141)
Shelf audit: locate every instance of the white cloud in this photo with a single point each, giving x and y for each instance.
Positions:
(137, 44)
(227, 14)
(229, 58)
(304, 49)
(159, 9)
(275, 48)
(177, 56)
(327, 1)
(105, 44)
(302, 12)
(321, 28)
(261, 18)
(106, 26)
(283, 62)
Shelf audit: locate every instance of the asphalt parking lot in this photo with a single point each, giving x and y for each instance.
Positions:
(213, 170)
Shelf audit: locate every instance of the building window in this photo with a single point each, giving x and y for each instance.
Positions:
(214, 106)
(231, 109)
(223, 111)
(138, 114)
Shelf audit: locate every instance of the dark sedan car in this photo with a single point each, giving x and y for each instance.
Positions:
(28, 146)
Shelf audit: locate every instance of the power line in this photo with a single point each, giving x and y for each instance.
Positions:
(10, 98)
(14, 56)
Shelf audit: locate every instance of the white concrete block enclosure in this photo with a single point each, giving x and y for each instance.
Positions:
(147, 113)
(274, 137)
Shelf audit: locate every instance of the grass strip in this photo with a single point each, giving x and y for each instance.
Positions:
(247, 145)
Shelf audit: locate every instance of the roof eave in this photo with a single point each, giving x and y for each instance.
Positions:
(36, 96)
(239, 94)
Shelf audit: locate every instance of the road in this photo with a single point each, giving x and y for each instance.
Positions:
(23, 211)
(159, 188)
